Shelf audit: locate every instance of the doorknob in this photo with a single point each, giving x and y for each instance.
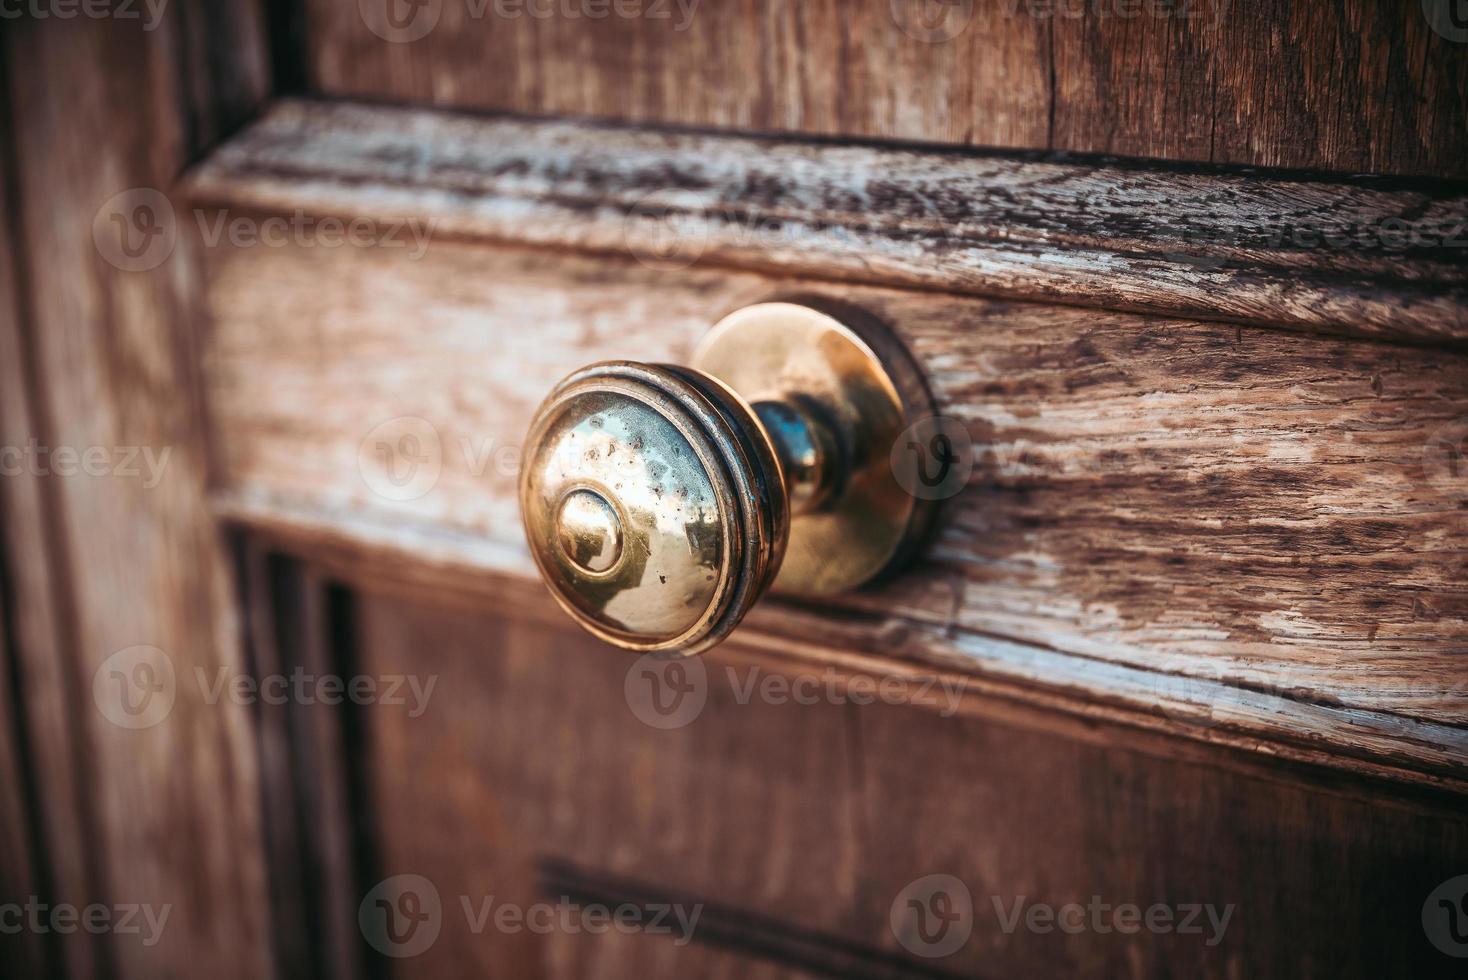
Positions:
(660, 501)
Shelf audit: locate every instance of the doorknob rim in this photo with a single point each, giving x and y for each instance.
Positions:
(712, 451)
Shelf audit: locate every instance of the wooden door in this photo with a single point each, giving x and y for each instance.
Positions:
(1178, 689)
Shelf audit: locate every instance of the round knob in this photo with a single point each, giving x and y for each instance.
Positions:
(659, 501)
(653, 504)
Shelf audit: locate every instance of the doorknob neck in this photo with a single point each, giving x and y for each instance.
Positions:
(811, 461)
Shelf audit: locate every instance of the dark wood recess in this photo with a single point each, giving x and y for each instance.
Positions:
(1218, 529)
(1355, 85)
(309, 758)
(1366, 257)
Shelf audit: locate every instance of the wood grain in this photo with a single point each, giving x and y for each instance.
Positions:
(1156, 503)
(167, 815)
(1360, 86)
(802, 823)
(1355, 86)
(24, 867)
(22, 871)
(1360, 257)
(48, 692)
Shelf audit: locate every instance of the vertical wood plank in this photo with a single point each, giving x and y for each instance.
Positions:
(45, 688)
(128, 559)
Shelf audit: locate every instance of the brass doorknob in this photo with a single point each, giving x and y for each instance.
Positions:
(660, 502)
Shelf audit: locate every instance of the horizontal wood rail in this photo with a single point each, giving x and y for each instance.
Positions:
(1360, 256)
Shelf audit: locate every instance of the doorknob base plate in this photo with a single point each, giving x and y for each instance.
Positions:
(844, 371)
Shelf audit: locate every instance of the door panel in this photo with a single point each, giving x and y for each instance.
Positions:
(1192, 635)
(798, 825)
(1200, 599)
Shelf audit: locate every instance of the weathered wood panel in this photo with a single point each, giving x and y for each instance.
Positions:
(46, 688)
(1361, 85)
(160, 808)
(24, 866)
(1363, 257)
(797, 826)
(1221, 527)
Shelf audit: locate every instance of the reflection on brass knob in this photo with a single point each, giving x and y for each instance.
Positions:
(660, 502)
